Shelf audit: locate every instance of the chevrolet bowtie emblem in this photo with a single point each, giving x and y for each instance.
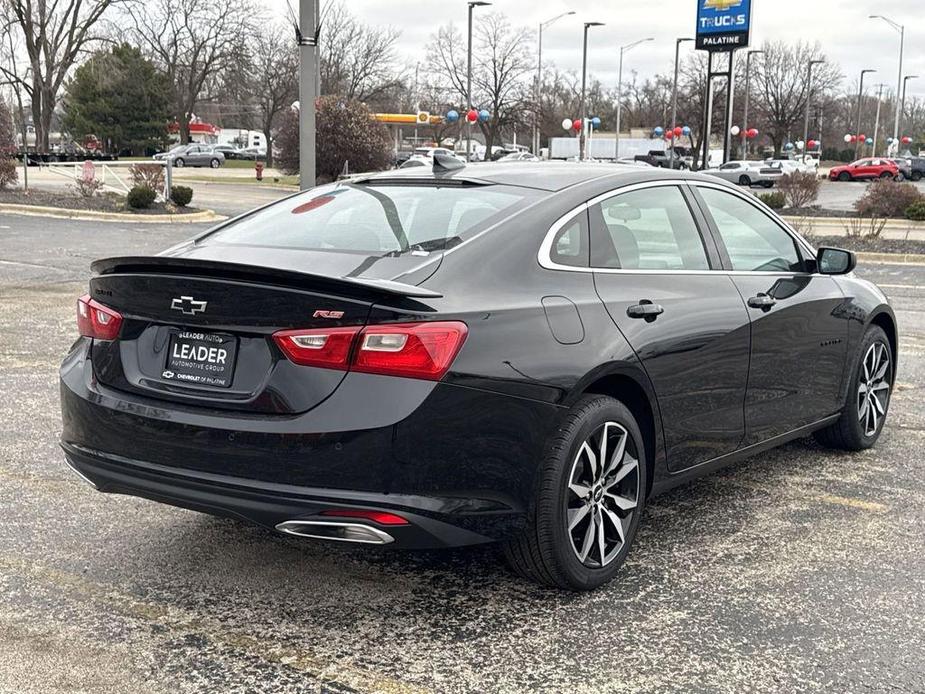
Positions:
(721, 4)
(187, 305)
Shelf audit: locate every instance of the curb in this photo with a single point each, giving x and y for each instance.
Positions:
(125, 217)
(893, 258)
(839, 222)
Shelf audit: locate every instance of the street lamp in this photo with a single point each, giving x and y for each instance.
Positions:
(873, 151)
(623, 51)
(902, 44)
(472, 5)
(857, 146)
(674, 90)
(538, 111)
(748, 81)
(809, 100)
(584, 78)
(902, 103)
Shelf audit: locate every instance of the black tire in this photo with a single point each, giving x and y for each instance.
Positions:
(886, 174)
(544, 550)
(844, 177)
(916, 176)
(745, 181)
(215, 163)
(179, 162)
(848, 433)
(767, 184)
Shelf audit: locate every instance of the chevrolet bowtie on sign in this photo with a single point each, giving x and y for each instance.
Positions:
(723, 25)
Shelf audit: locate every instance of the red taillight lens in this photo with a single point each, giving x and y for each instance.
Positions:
(415, 350)
(381, 517)
(411, 350)
(327, 348)
(97, 321)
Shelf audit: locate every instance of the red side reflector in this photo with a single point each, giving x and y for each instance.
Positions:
(381, 517)
(97, 321)
(328, 348)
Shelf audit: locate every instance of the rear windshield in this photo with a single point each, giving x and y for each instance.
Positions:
(375, 218)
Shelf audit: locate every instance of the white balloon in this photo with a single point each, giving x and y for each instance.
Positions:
(567, 124)
(848, 139)
(801, 144)
(735, 130)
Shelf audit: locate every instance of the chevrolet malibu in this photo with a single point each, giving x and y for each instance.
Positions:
(455, 354)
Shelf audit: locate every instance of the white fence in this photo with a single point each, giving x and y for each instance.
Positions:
(108, 173)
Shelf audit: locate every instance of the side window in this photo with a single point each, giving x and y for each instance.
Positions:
(754, 241)
(648, 229)
(570, 244)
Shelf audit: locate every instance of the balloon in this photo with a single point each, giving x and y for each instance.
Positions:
(907, 140)
(595, 122)
(849, 139)
(677, 131)
(659, 131)
(484, 115)
(789, 146)
(862, 136)
(472, 115)
(576, 125)
(800, 144)
(735, 130)
(686, 131)
(567, 124)
(452, 116)
(669, 135)
(870, 140)
(854, 138)
(811, 144)
(753, 133)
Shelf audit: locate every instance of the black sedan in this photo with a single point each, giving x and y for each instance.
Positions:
(462, 354)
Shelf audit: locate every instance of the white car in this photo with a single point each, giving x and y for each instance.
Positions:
(791, 165)
(748, 173)
(519, 156)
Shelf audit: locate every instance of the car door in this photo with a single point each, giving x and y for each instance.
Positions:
(865, 169)
(799, 319)
(687, 324)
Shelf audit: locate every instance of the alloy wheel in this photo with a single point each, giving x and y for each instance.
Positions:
(603, 493)
(874, 387)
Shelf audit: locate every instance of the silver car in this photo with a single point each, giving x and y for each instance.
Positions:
(748, 173)
(193, 155)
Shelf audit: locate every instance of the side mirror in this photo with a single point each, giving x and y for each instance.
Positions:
(835, 261)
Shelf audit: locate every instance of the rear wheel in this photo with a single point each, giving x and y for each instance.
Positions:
(589, 496)
(215, 163)
(179, 162)
(916, 176)
(868, 399)
(844, 177)
(745, 181)
(886, 174)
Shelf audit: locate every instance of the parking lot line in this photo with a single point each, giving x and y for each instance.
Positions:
(859, 504)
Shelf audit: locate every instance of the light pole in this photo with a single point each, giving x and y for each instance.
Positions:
(472, 5)
(623, 51)
(902, 45)
(877, 119)
(584, 78)
(748, 82)
(857, 146)
(902, 103)
(308, 90)
(674, 90)
(538, 111)
(809, 101)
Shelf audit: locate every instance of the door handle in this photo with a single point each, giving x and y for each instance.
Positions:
(645, 310)
(762, 301)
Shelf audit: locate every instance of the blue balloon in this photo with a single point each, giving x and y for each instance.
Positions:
(595, 122)
(659, 131)
(870, 140)
(686, 131)
(788, 146)
(484, 115)
(452, 116)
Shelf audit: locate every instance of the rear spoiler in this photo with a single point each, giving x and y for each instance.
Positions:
(215, 268)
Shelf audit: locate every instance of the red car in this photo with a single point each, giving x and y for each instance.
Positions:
(865, 169)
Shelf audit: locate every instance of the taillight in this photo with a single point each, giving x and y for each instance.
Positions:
(411, 350)
(97, 321)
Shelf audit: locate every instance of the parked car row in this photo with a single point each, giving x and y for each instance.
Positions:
(213, 156)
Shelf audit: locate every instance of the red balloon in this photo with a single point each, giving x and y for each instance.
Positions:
(678, 131)
(472, 115)
(907, 140)
(862, 137)
(669, 135)
(854, 138)
(576, 124)
(811, 144)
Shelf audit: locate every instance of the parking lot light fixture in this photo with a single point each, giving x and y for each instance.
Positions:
(472, 5)
(857, 146)
(902, 102)
(537, 111)
(584, 79)
(901, 29)
(809, 101)
(623, 51)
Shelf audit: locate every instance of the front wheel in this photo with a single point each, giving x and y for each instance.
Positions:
(862, 419)
(844, 177)
(589, 495)
(745, 181)
(215, 163)
(916, 176)
(179, 163)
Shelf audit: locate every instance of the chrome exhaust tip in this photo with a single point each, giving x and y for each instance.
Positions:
(336, 530)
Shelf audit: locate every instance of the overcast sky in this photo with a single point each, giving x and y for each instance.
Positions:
(841, 26)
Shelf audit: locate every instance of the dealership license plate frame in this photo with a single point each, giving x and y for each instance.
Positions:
(179, 370)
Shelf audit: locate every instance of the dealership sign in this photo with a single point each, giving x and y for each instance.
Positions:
(723, 25)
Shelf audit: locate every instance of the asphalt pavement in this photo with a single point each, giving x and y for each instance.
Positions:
(801, 570)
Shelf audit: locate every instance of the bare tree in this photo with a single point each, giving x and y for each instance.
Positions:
(53, 35)
(357, 61)
(275, 81)
(501, 71)
(193, 42)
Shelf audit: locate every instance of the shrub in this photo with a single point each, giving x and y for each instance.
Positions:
(800, 188)
(87, 186)
(887, 198)
(181, 195)
(140, 197)
(775, 201)
(148, 175)
(8, 173)
(916, 211)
